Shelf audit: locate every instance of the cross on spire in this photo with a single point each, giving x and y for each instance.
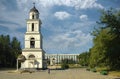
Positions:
(34, 4)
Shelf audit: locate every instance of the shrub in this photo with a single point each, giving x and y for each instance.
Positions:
(88, 69)
(64, 66)
(93, 70)
(104, 72)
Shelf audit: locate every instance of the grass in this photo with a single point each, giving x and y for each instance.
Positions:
(115, 73)
(112, 73)
(13, 71)
(74, 66)
(102, 69)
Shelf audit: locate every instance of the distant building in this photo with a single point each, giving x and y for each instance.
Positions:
(57, 58)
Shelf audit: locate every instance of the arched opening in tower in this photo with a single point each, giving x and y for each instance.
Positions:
(32, 26)
(32, 16)
(32, 43)
(31, 57)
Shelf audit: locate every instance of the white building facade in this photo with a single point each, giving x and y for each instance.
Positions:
(57, 58)
(33, 52)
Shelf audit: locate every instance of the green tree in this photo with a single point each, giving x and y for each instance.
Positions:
(106, 49)
(102, 43)
(64, 64)
(15, 50)
(84, 58)
(68, 61)
(4, 50)
(111, 19)
(9, 51)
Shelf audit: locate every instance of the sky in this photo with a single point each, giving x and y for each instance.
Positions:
(66, 24)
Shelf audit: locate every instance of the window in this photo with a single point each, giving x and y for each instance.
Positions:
(32, 16)
(32, 26)
(31, 57)
(32, 43)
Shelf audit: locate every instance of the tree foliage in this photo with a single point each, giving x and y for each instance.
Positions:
(68, 61)
(102, 43)
(64, 66)
(9, 50)
(106, 49)
(84, 59)
(65, 62)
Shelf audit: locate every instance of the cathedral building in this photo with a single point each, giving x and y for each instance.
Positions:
(33, 51)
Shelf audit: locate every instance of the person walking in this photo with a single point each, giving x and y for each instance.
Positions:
(48, 71)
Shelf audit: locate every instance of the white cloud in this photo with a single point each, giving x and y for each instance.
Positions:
(12, 21)
(75, 38)
(77, 4)
(83, 17)
(62, 15)
(71, 39)
(84, 4)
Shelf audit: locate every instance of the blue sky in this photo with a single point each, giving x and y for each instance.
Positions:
(66, 24)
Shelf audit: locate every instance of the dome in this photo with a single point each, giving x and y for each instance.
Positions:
(34, 10)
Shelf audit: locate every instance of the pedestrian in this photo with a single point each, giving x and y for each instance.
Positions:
(48, 71)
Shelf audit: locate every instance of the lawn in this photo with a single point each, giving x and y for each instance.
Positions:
(115, 73)
(112, 73)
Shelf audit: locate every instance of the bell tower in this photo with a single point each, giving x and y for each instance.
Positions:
(33, 51)
(33, 37)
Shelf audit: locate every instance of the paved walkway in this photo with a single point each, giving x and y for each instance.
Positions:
(55, 74)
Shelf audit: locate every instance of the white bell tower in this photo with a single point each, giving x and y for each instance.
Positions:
(33, 51)
(33, 37)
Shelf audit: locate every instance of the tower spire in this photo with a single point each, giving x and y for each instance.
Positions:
(34, 4)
